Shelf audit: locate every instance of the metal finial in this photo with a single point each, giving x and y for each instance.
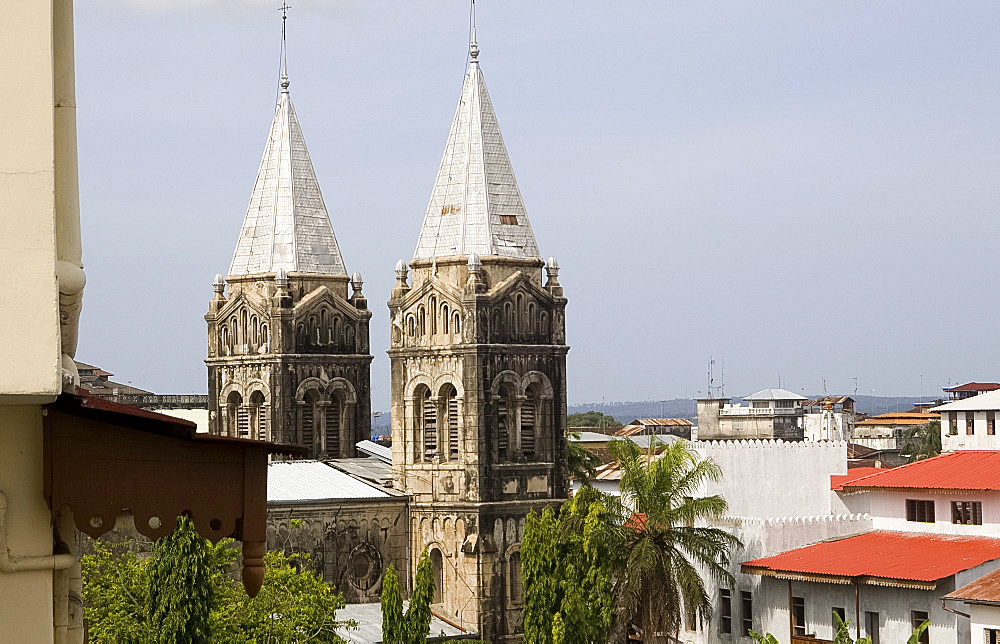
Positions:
(473, 45)
(284, 60)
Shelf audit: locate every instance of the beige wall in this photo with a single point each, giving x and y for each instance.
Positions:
(29, 312)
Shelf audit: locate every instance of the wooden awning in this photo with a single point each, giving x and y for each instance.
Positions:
(104, 458)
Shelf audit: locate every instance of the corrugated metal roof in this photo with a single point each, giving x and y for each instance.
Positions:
(962, 470)
(837, 481)
(314, 481)
(286, 224)
(475, 206)
(372, 448)
(986, 590)
(899, 418)
(881, 555)
(989, 401)
(975, 386)
(662, 422)
(774, 394)
(833, 400)
(369, 619)
(591, 437)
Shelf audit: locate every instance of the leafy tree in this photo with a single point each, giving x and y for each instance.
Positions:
(923, 441)
(392, 608)
(293, 605)
(181, 595)
(566, 571)
(582, 463)
(843, 635)
(591, 419)
(415, 625)
(662, 549)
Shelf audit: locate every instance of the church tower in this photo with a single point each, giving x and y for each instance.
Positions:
(288, 354)
(478, 358)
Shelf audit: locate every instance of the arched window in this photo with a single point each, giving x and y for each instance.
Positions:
(434, 314)
(244, 329)
(456, 325)
(234, 329)
(423, 320)
(349, 344)
(300, 336)
(505, 421)
(324, 328)
(237, 422)
(428, 422)
(410, 325)
(333, 427)
(532, 323)
(444, 318)
(253, 333)
(338, 328)
(529, 417)
(544, 325)
(519, 315)
(265, 340)
(514, 582)
(449, 399)
(437, 566)
(508, 319)
(313, 332)
(224, 348)
(307, 430)
(496, 324)
(258, 415)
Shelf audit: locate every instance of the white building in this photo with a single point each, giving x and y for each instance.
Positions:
(935, 525)
(830, 418)
(982, 599)
(970, 423)
(769, 414)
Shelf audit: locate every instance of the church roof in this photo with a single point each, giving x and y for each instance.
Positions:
(475, 206)
(286, 224)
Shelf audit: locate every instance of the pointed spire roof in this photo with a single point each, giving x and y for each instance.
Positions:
(475, 206)
(286, 224)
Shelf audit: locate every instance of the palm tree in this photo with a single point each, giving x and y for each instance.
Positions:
(923, 441)
(662, 548)
(581, 462)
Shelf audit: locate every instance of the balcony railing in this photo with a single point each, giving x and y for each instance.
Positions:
(760, 411)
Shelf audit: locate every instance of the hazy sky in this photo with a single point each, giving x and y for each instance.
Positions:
(807, 189)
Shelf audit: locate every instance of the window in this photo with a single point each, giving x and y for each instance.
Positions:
(918, 617)
(919, 510)
(970, 423)
(725, 611)
(690, 617)
(799, 615)
(746, 612)
(991, 423)
(784, 404)
(967, 512)
(428, 416)
(871, 626)
(508, 220)
(953, 424)
(992, 635)
(515, 577)
(437, 566)
(842, 614)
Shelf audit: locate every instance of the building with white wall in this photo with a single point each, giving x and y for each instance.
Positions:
(982, 601)
(970, 423)
(768, 414)
(830, 418)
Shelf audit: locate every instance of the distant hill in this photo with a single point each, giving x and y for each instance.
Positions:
(627, 411)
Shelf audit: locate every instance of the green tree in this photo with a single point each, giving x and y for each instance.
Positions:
(843, 635)
(392, 608)
(181, 596)
(582, 463)
(591, 419)
(661, 547)
(414, 626)
(566, 571)
(293, 605)
(923, 441)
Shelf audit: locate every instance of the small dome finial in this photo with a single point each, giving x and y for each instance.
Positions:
(475, 264)
(219, 284)
(356, 282)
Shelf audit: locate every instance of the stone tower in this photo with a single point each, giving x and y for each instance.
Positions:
(288, 354)
(478, 356)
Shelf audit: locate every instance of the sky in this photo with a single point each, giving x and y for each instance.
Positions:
(806, 192)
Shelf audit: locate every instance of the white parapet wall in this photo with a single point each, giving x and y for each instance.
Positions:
(768, 478)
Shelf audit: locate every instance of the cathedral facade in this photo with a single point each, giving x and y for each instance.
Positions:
(478, 369)
(288, 354)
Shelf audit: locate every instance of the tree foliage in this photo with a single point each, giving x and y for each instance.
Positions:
(130, 599)
(663, 547)
(581, 462)
(181, 596)
(843, 634)
(414, 626)
(566, 572)
(923, 441)
(591, 419)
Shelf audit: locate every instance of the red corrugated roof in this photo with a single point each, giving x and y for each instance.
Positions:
(961, 470)
(837, 480)
(975, 386)
(985, 590)
(882, 556)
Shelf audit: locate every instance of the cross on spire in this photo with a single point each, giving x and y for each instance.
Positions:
(284, 62)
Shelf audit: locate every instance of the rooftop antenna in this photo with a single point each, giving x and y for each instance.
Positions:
(711, 376)
(722, 387)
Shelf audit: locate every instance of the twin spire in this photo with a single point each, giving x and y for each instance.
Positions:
(475, 206)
